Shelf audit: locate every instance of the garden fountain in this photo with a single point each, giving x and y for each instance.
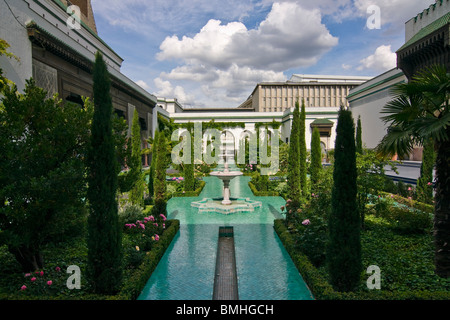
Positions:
(226, 176)
(226, 205)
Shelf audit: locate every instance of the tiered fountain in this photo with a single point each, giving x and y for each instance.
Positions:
(226, 204)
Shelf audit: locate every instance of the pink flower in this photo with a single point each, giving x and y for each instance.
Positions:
(142, 226)
(24, 287)
(164, 225)
(33, 279)
(306, 222)
(27, 275)
(163, 217)
(409, 198)
(155, 224)
(49, 282)
(409, 189)
(429, 183)
(156, 237)
(312, 194)
(58, 269)
(42, 273)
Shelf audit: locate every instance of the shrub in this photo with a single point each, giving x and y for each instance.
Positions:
(406, 220)
(130, 213)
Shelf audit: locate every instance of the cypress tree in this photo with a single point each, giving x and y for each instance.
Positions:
(135, 163)
(189, 179)
(302, 149)
(159, 183)
(294, 159)
(104, 265)
(151, 177)
(424, 183)
(316, 158)
(359, 145)
(344, 247)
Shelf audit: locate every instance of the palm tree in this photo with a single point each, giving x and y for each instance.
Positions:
(419, 112)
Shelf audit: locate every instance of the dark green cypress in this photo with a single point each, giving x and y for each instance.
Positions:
(294, 159)
(151, 177)
(344, 247)
(189, 179)
(104, 265)
(159, 183)
(316, 159)
(425, 181)
(302, 151)
(359, 145)
(136, 194)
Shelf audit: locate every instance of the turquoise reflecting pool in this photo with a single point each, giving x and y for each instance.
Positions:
(265, 270)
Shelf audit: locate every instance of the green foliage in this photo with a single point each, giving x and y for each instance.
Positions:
(406, 266)
(344, 248)
(293, 175)
(136, 175)
(371, 178)
(104, 233)
(303, 153)
(42, 176)
(261, 182)
(189, 178)
(159, 183)
(359, 144)
(316, 159)
(425, 181)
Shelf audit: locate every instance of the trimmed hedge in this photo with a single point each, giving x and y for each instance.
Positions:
(409, 202)
(134, 284)
(322, 290)
(262, 193)
(194, 193)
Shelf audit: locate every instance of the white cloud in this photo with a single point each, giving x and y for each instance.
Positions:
(228, 60)
(143, 84)
(382, 60)
(346, 66)
(289, 37)
(167, 90)
(393, 12)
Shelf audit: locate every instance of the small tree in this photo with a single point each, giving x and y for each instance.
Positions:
(425, 181)
(151, 174)
(135, 163)
(293, 177)
(189, 179)
(159, 183)
(359, 144)
(104, 269)
(316, 159)
(302, 152)
(344, 247)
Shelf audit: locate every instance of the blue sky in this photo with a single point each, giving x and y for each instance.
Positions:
(212, 53)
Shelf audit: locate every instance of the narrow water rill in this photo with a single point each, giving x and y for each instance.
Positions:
(264, 269)
(225, 278)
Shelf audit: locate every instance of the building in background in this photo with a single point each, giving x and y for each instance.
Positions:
(60, 58)
(427, 39)
(367, 101)
(318, 91)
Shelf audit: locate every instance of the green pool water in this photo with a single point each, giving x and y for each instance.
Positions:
(264, 268)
